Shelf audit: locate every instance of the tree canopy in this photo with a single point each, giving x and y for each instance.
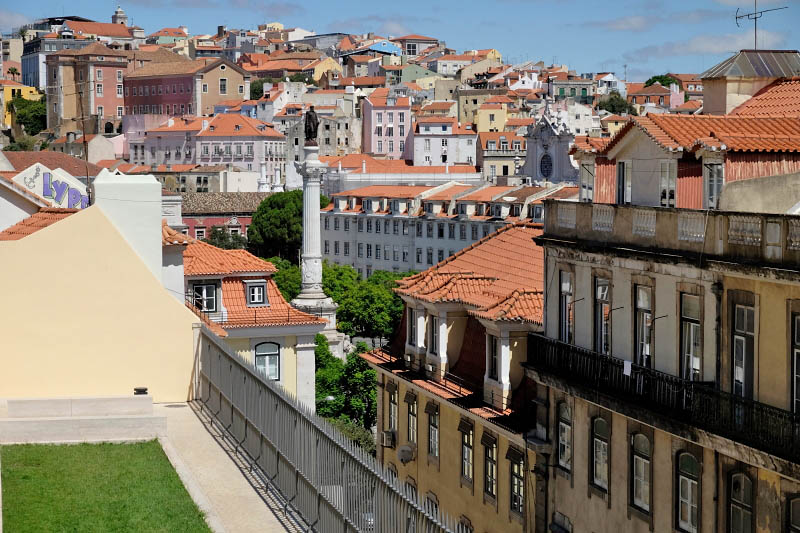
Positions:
(616, 104)
(277, 227)
(220, 238)
(287, 278)
(663, 79)
(31, 114)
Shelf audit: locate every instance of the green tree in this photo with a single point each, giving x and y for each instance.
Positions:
(25, 143)
(663, 79)
(220, 238)
(616, 104)
(371, 308)
(287, 278)
(257, 87)
(277, 227)
(338, 280)
(13, 72)
(359, 386)
(308, 80)
(31, 114)
(329, 371)
(359, 435)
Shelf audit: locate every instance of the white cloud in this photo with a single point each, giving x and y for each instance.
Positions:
(629, 23)
(11, 19)
(707, 45)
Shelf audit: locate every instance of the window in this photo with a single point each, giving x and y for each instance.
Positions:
(369, 224)
(99, 89)
(794, 515)
(419, 255)
(347, 224)
(644, 326)
(688, 479)
(462, 232)
(241, 89)
(360, 226)
(268, 360)
(465, 427)
(600, 434)
(566, 329)
(119, 111)
(691, 346)
(369, 250)
(99, 75)
(380, 146)
(743, 350)
(396, 227)
(429, 256)
(205, 294)
(668, 177)
(411, 400)
(379, 131)
(433, 346)
(379, 117)
(205, 87)
(440, 255)
(489, 442)
(564, 436)
(587, 182)
(411, 337)
(393, 408)
(419, 229)
(256, 293)
(440, 230)
(741, 504)
(346, 249)
(429, 226)
(492, 348)
(623, 182)
(326, 247)
(715, 179)
(474, 232)
(391, 146)
(795, 325)
(223, 86)
(432, 410)
(517, 467)
(361, 249)
(451, 231)
(602, 315)
(640, 472)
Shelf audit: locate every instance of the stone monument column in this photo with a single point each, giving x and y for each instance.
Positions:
(312, 299)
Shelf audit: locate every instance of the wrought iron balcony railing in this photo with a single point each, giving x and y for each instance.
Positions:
(755, 424)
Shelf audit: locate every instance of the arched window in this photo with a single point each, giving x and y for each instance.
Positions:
(564, 436)
(794, 515)
(268, 360)
(600, 434)
(640, 472)
(740, 504)
(688, 480)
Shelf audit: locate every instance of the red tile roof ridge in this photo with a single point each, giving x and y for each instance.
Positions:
(170, 237)
(45, 217)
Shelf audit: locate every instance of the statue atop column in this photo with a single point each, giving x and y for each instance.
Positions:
(311, 127)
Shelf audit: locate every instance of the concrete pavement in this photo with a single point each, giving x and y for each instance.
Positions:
(216, 478)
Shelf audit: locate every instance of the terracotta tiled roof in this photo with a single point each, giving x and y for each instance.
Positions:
(520, 306)
(486, 194)
(449, 193)
(414, 37)
(562, 193)
(779, 99)
(360, 58)
(499, 99)
(174, 68)
(486, 136)
(106, 29)
(689, 105)
(52, 160)
(633, 87)
(203, 259)
(379, 98)
(10, 83)
(78, 138)
(385, 191)
(736, 133)
(45, 217)
(589, 144)
(228, 203)
(277, 313)
(616, 118)
(170, 237)
(168, 32)
(235, 125)
(656, 89)
(474, 276)
(362, 81)
(519, 195)
(213, 326)
(437, 106)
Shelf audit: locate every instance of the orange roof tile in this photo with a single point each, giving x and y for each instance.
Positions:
(385, 191)
(486, 136)
(234, 125)
(203, 259)
(277, 313)
(169, 32)
(474, 276)
(520, 306)
(72, 165)
(589, 144)
(361, 81)
(105, 29)
(735, 132)
(170, 237)
(10, 83)
(414, 37)
(449, 193)
(485, 194)
(46, 216)
(779, 99)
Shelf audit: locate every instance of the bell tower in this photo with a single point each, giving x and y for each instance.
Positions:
(119, 17)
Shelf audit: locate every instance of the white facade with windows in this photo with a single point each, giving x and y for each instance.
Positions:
(442, 141)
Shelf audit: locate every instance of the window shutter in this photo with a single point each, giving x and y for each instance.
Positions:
(431, 408)
(487, 439)
(391, 386)
(514, 455)
(464, 425)
(628, 181)
(410, 397)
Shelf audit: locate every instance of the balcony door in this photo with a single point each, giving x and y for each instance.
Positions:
(795, 362)
(743, 349)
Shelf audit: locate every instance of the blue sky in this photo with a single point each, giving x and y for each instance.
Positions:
(650, 36)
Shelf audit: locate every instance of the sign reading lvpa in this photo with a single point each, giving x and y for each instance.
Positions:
(56, 186)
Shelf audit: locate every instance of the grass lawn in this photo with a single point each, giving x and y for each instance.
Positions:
(94, 487)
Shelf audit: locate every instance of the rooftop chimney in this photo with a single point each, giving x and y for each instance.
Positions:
(262, 180)
(221, 31)
(363, 166)
(132, 203)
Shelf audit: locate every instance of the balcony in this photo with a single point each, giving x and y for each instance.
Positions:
(500, 152)
(458, 390)
(753, 238)
(677, 402)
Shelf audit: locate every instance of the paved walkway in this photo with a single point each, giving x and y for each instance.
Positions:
(233, 500)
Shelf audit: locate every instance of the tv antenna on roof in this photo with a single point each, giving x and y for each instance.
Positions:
(754, 16)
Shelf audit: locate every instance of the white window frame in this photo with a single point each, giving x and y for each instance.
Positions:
(266, 361)
(205, 293)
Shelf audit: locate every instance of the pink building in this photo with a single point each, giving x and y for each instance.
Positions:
(387, 124)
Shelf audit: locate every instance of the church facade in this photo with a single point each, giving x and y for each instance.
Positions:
(547, 158)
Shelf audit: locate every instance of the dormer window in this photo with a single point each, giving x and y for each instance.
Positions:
(491, 145)
(428, 207)
(395, 206)
(256, 292)
(367, 205)
(462, 209)
(205, 297)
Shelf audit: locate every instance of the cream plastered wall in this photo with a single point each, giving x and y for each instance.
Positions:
(442, 477)
(244, 348)
(85, 317)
